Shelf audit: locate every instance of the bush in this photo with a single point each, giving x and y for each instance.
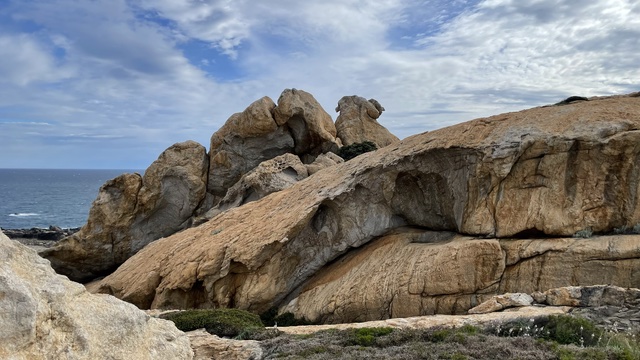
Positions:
(565, 329)
(271, 318)
(367, 336)
(220, 322)
(350, 151)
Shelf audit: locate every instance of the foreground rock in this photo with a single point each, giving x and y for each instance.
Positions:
(550, 171)
(357, 122)
(211, 347)
(132, 210)
(46, 316)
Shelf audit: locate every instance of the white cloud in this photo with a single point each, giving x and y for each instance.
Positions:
(123, 75)
(25, 61)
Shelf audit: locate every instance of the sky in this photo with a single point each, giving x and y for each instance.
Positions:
(112, 83)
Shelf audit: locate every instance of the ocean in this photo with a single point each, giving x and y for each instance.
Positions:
(42, 197)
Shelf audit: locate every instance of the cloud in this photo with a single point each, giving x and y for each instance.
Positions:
(139, 75)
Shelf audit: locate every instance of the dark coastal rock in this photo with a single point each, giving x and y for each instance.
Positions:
(53, 233)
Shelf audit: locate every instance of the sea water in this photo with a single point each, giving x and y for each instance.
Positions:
(43, 197)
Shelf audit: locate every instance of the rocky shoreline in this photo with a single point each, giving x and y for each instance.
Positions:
(39, 236)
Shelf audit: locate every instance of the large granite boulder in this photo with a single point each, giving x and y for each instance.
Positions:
(357, 122)
(298, 125)
(543, 172)
(45, 316)
(132, 210)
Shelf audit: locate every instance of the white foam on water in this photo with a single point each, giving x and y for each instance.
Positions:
(23, 214)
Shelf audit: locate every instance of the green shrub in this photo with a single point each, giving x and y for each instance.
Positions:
(350, 151)
(271, 318)
(367, 336)
(220, 322)
(565, 329)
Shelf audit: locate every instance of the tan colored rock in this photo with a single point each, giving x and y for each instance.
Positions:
(357, 122)
(408, 273)
(310, 125)
(270, 176)
(432, 321)
(543, 171)
(211, 347)
(45, 316)
(132, 210)
(244, 141)
(298, 125)
(591, 296)
(501, 302)
(324, 161)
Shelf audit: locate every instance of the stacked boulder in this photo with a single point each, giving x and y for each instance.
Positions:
(263, 149)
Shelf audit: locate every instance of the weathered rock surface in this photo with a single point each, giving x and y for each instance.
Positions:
(448, 321)
(297, 125)
(324, 161)
(357, 122)
(310, 125)
(541, 172)
(270, 176)
(212, 347)
(132, 210)
(45, 316)
(501, 302)
(419, 273)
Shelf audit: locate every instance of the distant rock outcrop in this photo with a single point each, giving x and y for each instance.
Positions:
(132, 210)
(380, 236)
(46, 316)
(357, 122)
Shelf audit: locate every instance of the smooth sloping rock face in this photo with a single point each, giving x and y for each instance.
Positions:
(45, 316)
(298, 125)
(132, 210)
(544, 171)
(420, 273)
(357, 122)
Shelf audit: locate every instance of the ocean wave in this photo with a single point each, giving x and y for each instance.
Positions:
(23, 214)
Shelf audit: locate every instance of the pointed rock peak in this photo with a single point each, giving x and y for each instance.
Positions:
(357, 122)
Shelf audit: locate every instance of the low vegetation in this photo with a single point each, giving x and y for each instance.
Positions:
(562, 338)
(221, 322)
(557, 337)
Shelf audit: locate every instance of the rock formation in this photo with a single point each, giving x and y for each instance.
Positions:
(186, 187)
(539, 173)
(132, 210)
(268, 177)
(211, 347)
(46, 316)
(357, 122)
(298, 125)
